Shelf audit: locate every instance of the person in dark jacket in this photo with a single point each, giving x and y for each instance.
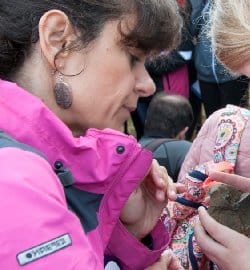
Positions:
(168, 119)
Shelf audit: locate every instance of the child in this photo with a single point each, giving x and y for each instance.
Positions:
(217, 151)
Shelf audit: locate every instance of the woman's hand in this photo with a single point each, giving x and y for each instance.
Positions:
(227, 248)
(145, 205)
(167, 262)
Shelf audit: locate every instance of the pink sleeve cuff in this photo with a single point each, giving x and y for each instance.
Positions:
(131, 253)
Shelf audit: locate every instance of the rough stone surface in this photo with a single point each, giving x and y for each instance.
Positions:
(230, 207)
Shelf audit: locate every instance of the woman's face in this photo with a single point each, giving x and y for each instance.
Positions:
(107, 90)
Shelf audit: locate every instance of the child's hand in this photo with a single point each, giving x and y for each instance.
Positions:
(223, 166)
(239, 182)
(227, 248)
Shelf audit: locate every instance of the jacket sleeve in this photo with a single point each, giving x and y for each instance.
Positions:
(130, 253)
(36, 229)
(196, 16)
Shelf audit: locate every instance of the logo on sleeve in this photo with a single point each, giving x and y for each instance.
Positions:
(44, 249)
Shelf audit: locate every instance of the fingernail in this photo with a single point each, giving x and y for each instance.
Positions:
(160, 195)
(202, 208)
(173, 193)
(162, 181)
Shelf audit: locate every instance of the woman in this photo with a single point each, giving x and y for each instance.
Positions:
(67, 66)
(230, 37)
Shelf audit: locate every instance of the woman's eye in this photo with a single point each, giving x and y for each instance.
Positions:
(134, 59)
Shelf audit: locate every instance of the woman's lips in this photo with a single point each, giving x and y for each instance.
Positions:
(130, 108)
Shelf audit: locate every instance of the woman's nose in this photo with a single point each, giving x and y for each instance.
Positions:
(145, 86)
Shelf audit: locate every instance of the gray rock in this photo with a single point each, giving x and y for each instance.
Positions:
(230, 207)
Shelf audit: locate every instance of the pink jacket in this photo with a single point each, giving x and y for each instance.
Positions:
(201, 150)
(37, 229)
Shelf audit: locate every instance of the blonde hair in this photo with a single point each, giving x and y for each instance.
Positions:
(230, 32)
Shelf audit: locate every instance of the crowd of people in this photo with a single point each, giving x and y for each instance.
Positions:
(194, 71)
(77, 192)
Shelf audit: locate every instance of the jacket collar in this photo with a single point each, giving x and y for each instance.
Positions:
(28, 120)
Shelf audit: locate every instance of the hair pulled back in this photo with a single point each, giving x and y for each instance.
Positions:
(157, 25)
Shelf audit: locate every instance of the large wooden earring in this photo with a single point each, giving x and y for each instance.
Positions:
(63, 93)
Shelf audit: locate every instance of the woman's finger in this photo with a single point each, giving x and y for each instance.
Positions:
(160, 183)
(180, 188)
(159, 174)
(171, 190)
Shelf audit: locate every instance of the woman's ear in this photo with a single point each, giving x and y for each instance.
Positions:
(55, 31)
(182, 134)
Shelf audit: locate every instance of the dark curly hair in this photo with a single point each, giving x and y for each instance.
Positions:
(157, 26)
